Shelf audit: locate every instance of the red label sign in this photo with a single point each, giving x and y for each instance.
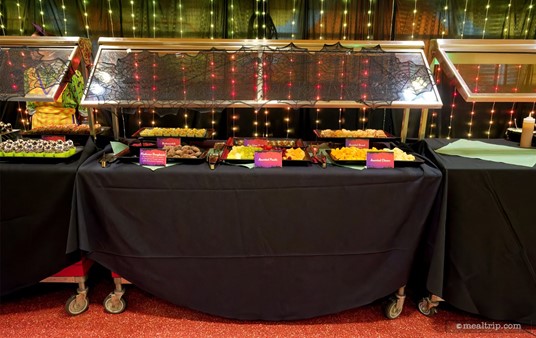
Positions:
(152, 157)
(259, 142)
(168, 141)
(268, 159)
(357, 143)
(380, 159)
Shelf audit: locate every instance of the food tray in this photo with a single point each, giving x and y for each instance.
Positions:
(207, 133)
(197, 160)
(41, 159)
(274, 142)
(415, 163)
(389, 136)
(306, 160)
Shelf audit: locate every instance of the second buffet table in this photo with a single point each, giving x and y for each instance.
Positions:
(485, 259)
(279, 243)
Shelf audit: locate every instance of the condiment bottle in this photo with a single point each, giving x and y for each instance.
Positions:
(527, 132)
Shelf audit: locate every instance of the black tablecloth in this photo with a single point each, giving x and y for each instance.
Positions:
(485, 255)
(273, 244)
(35, 216)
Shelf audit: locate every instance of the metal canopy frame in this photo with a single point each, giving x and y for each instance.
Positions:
(452, 55)
(107, 46)
(44, 44)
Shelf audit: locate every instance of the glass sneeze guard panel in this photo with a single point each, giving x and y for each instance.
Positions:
(167, 73)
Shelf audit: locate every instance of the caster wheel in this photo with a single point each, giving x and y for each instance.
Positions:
(116, 308)
(391, 311)
(425, 307)
(74, 306)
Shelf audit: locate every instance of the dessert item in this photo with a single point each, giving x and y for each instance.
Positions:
(182, 151)
(39, 148)
(367, 133)
(5, 127)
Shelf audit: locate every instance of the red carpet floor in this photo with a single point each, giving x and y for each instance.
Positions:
(38, 311)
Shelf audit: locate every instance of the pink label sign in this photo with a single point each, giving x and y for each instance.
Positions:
(380, 159)
(53, 137)
(152, 157)
(168, 141)
(357, 143)
(268, 159)
(260, 142)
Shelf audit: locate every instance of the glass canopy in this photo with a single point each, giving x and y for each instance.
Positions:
(37, 68)
(260, 73)
(490, 70)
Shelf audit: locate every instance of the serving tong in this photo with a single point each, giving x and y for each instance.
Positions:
(318, 157)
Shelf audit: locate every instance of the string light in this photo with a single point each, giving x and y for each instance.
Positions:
(139, 117)
(110, 16)
(256, 122)
(133, 18)
(507, 20)
(445, 8)
(257, 21)
(21, 23)
(180, 17)
(496, 89)
(345, 20)
(472, 115)
(213, 121)
(432, 124)
(264, 8)
(185, 118)
(212, 19)
(287, 120)
(321, 19)
(64, 18)
(42, 13)
(528, 20)
(234, 118)
(340, 118)
(317, 120)
(137, 77)
(290, 78)
(464, 18)
(266, 123)
(293, 30)
(414, 18)
(369, 23)
(153, 122)
(364, 117)
(154, 19)
(232, 20)
(515, 89)
(485, 20)
(451, 117)
(2, 23)
(86, 24)
(154, 88)
(319, 78)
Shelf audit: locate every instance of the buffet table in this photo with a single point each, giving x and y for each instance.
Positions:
(485, 258)
(35, 216)
(272, 244)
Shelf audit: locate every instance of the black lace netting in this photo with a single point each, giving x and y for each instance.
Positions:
(296, 76)
(30, 71)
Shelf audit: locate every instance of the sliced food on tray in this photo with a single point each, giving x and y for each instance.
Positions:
(177, 132)
(360, 154)
(346, 133)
